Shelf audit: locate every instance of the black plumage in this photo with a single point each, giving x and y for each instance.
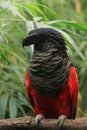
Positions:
(50, 64)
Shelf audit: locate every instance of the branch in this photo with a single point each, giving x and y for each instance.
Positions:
(27, 123)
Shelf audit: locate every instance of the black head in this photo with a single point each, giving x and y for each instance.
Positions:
(44, 38)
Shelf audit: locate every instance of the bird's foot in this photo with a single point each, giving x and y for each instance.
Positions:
(61, 119)
(38, 118)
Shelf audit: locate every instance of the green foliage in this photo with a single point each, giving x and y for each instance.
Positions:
(17, 18)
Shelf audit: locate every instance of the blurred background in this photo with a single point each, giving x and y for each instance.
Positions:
(17, 18)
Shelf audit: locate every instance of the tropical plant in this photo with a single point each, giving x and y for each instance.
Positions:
(17, 18)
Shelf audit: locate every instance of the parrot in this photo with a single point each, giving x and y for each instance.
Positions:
(51, 79)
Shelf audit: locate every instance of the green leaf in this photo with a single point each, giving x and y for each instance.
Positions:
(13, 107)
(71, 41)
(22, 99)
(3, 104)
(29, 26)
(22, 110)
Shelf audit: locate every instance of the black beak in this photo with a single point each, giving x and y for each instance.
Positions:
(25, 42)
(30, 39)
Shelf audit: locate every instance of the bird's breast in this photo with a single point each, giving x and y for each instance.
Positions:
(48, 72)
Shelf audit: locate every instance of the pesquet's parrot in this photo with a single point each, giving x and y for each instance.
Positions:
(51, 79)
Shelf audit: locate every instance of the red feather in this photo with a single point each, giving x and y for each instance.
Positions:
(52, 107)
